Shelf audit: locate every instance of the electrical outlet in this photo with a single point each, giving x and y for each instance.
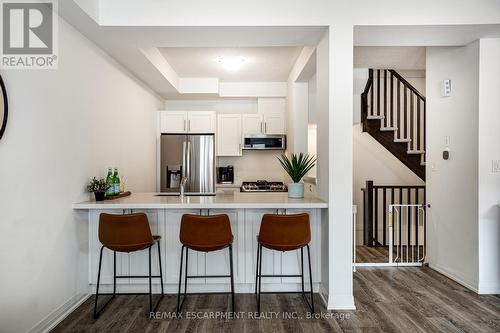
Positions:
(495, 166)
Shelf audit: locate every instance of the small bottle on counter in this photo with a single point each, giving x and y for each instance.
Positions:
(109, 181)
(116, 182)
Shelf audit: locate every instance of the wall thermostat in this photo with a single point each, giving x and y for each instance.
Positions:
(446, 88)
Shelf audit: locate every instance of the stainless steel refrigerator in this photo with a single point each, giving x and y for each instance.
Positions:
(191, 156)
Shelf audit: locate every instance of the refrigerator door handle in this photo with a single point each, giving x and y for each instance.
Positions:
(184, 159)
(188, 161)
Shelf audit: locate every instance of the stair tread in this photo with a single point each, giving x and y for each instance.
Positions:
(388, 129)
(402, 140)
(375, 117)
(415, 152)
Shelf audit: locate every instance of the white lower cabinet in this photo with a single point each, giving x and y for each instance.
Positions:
(134, 263)
(217, 263)
(291, 261)
(196, 260)
(271, 260)
(245, 224)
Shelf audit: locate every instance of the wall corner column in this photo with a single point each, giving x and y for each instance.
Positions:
(340, 296)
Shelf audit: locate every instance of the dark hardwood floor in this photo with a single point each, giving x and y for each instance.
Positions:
(387, 300)
(365, 254)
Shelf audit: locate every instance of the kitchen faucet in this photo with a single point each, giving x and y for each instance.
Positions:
(183, 185)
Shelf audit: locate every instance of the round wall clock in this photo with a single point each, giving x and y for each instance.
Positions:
(3, 107)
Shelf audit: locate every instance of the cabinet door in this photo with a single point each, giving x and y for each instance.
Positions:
(290, 261)
(229, 135)
(217, 262)
(274, 123)
(138, 261)
(173, 121)
(201, 121)
(252, 124)
(196, 261)
(271, 260)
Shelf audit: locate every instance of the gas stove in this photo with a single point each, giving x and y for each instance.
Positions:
(263, 186)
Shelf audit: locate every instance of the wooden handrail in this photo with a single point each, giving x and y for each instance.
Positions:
(394, 118)
(407, 84)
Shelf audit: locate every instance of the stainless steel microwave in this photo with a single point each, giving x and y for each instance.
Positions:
(265, 141)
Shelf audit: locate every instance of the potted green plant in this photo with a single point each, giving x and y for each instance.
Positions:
(98, 187)
(297, 166)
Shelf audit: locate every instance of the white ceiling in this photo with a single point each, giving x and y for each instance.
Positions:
(423, 35)
(261, 63)
(122, 38)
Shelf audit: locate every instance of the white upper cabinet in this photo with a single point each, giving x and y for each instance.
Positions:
(252, 124)
(229, 136)
(201, 121)
(269, 123)
(187, 121)
(173, 121)
(274, 123)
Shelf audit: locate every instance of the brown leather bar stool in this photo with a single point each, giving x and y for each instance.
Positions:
(284, 233)
(205, 234)
(126, 233)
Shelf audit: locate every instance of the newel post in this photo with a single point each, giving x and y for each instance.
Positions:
(368, 214)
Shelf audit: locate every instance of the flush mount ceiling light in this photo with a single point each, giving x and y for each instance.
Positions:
(231, 63)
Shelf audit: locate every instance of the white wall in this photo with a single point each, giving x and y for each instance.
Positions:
(65, 126)
(322, 169)
(452, 185)
(297, 101)
(248, 105)
(255, 165)
(373, 162)
(489, 182)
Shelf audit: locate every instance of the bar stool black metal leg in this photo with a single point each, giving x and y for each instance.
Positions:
(186, 276)
(114, 273)
(180, 279)
(98, 279)
(232, 276)
(257, 268)
(302, 269)
(150, 291)
(260, 278)
(310, 277)
(161, 273)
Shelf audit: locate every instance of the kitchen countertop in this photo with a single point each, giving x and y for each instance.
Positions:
(236, 200)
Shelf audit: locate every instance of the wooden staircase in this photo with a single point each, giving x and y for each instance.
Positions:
(393, 113)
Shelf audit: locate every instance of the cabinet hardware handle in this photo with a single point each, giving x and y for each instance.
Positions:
(189, 125)
(184, 125)
(261, 130)
(265, 127)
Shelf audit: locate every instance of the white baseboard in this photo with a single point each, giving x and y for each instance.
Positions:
(341, 302)
(489, 289)
(452, 276)
(56, 316)
(323, 293)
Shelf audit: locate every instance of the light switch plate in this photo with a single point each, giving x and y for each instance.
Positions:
(446, 88)
(495, 166)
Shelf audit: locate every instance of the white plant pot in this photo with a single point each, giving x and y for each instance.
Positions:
(296, 190)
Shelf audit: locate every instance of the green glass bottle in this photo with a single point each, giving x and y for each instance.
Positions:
(109, 181)
(116, 182)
